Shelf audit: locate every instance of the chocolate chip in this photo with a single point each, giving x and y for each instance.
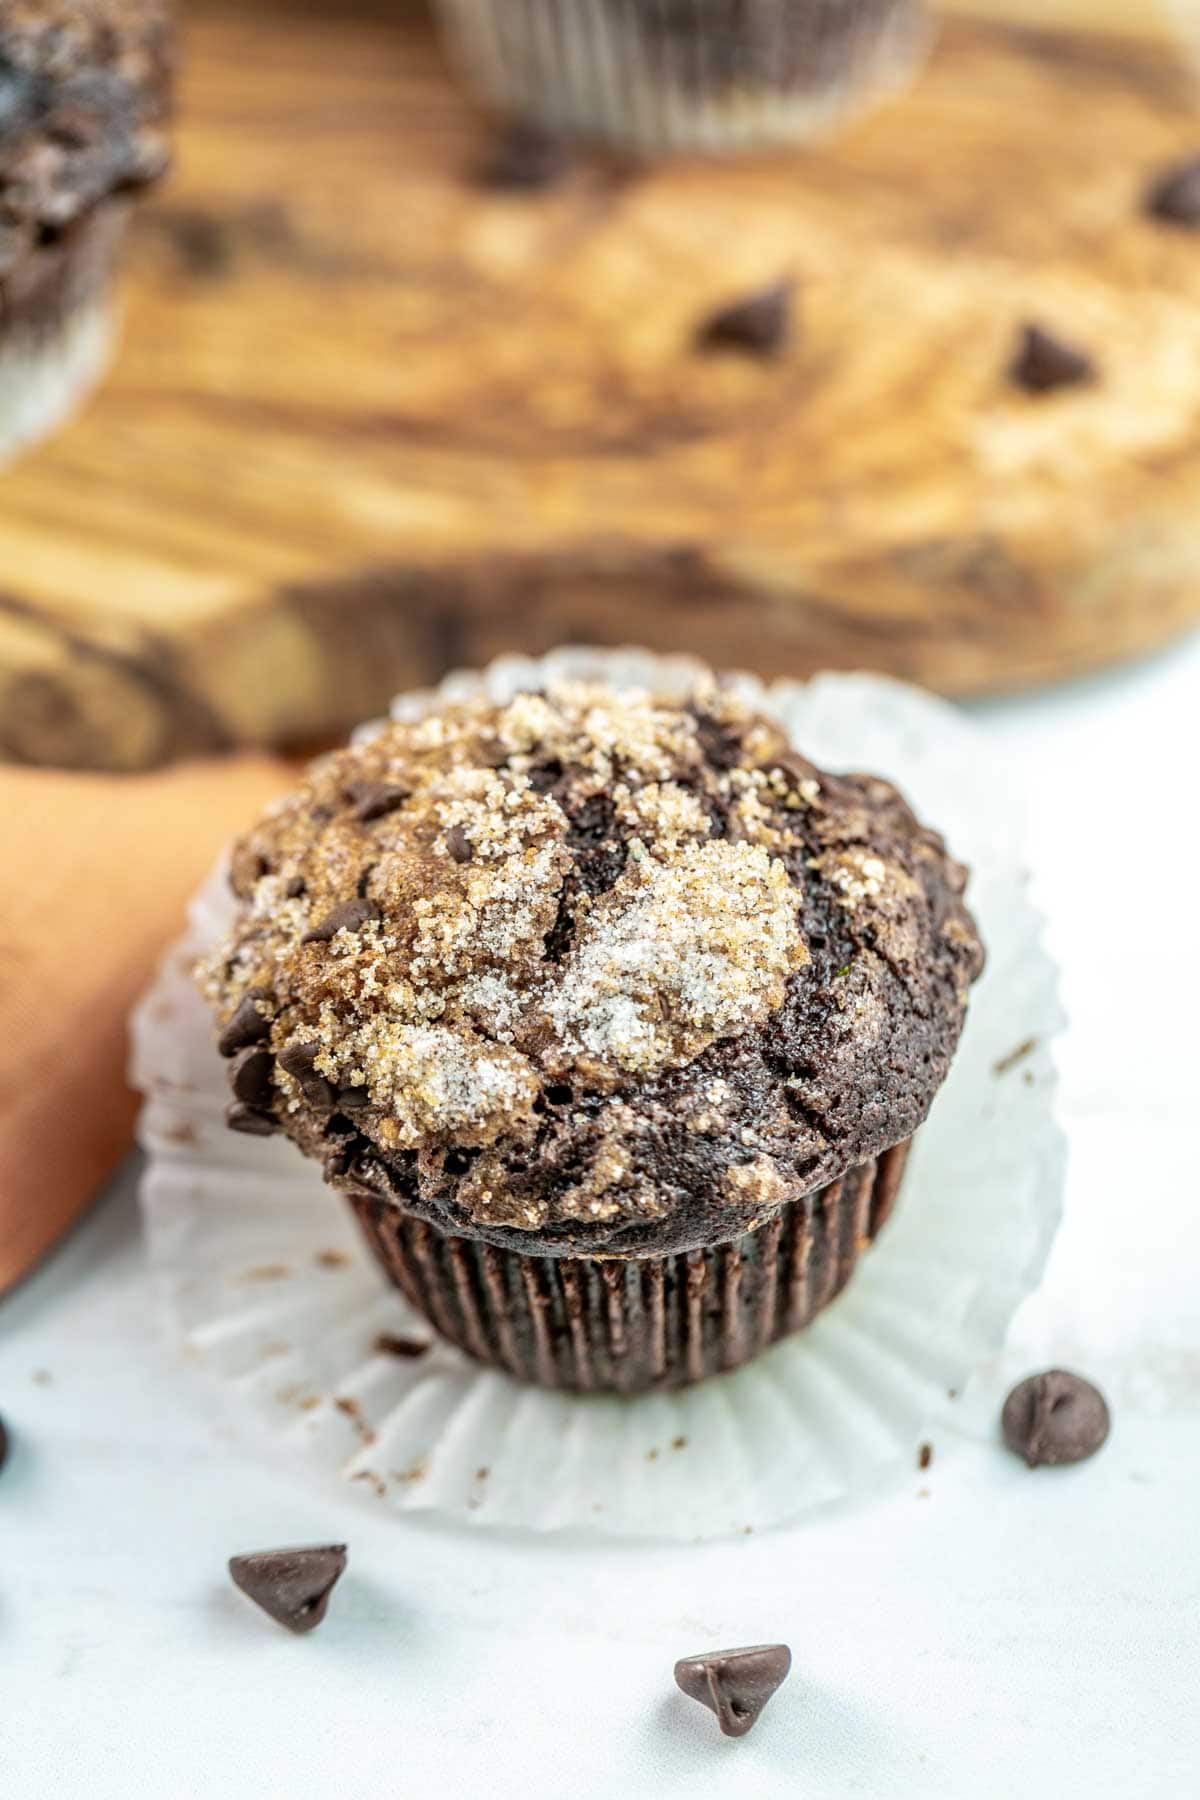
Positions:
(351, 915)
(388, 1344)
(1044, 362)
(525, 157)
(1174, 196)
(760, 323)
(291, 1586)
(459, 844)
(250, 1076)
(353, 1099)
(735, 1684)
(299, 1061)
(3, 1443)
(247, 1026)
(240, 1117)
(375, 799)
(295, 887)
(1055, 1418)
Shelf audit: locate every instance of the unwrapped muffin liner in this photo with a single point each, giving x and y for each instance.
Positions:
(269, 1290)
(661, 75)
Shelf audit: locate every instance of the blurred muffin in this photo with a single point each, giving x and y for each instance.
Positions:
(685, 74)
(612, 1015)
(83, 107)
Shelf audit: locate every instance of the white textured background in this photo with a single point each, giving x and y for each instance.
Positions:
(1003, 1633)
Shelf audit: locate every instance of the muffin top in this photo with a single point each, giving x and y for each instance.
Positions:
(83, 105)
(590, 972)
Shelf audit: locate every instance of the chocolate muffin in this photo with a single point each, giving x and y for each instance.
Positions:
(685, 74)
(612, 1015)
(83, 109)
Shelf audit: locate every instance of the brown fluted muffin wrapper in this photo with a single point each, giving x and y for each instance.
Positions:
(630, 73)
(629, 1324)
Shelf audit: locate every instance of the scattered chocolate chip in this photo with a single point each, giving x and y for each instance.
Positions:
(240, 1117)
(291, 1586)
(353, 1099)
(247, 1026)
(375, 799)
(924, 1456)
(1044, 362)
(1174, 196)
(459, 844)
(351, 915)
(525, 157)
(760, 323)
(388, 1344)
(299, 1061)
(1055, 1418)
(3, 1443)
(735, 1684)
(295, 887)
(250, 1075)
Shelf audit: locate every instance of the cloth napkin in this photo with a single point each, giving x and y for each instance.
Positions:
(95, 873)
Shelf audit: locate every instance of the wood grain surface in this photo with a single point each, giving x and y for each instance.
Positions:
(370, 419)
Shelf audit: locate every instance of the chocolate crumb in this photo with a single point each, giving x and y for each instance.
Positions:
(291, 1586)
(482, 1474)
(1044, 363)
(1173, 197)
(1055, 1418)
(351, 915)
(679, 1443)
(760, 323)
(372, 800)
(1005, 1063)
(331, 1259)
(240, 1117)
(526, 158)
(246, 1027)
(924, 1456)
(459, 845)
(250, 1076)
(735, 1684)
(387, 1343)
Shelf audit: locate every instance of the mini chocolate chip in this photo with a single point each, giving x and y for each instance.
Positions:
(247, 1026)
(375, 799)
(240, 1117)
(250, 1076)
(760, 323)
(299, 1061)
(1173, 197)
(351, 915)
(1055, 1418)
(388, 1344)
(291, 1586)
(459, 844)
(735, 1684)
(525, 157)
(353, 1099)
(1044, 362)
(295, 887)
(558, 1093)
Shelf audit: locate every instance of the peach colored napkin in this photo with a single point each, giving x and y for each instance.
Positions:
(95, 873)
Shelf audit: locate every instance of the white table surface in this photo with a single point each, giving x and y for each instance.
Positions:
(1000, 1632)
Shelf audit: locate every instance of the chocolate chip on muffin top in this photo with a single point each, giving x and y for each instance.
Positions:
(83, 104)
(608, 973)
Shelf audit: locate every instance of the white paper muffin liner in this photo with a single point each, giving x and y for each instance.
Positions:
(43, 379)
(621, 71)
(270, 1292)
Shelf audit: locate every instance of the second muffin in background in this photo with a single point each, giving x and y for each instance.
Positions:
(611, 1013)
(660, 75)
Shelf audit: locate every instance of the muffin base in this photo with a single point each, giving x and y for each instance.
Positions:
(55, 325)
(628, 1325)
(614, 71)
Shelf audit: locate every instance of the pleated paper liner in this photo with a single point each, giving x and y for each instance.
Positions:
(661, 75)
(270, 1292)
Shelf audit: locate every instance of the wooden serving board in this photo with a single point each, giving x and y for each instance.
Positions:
(370, 420)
